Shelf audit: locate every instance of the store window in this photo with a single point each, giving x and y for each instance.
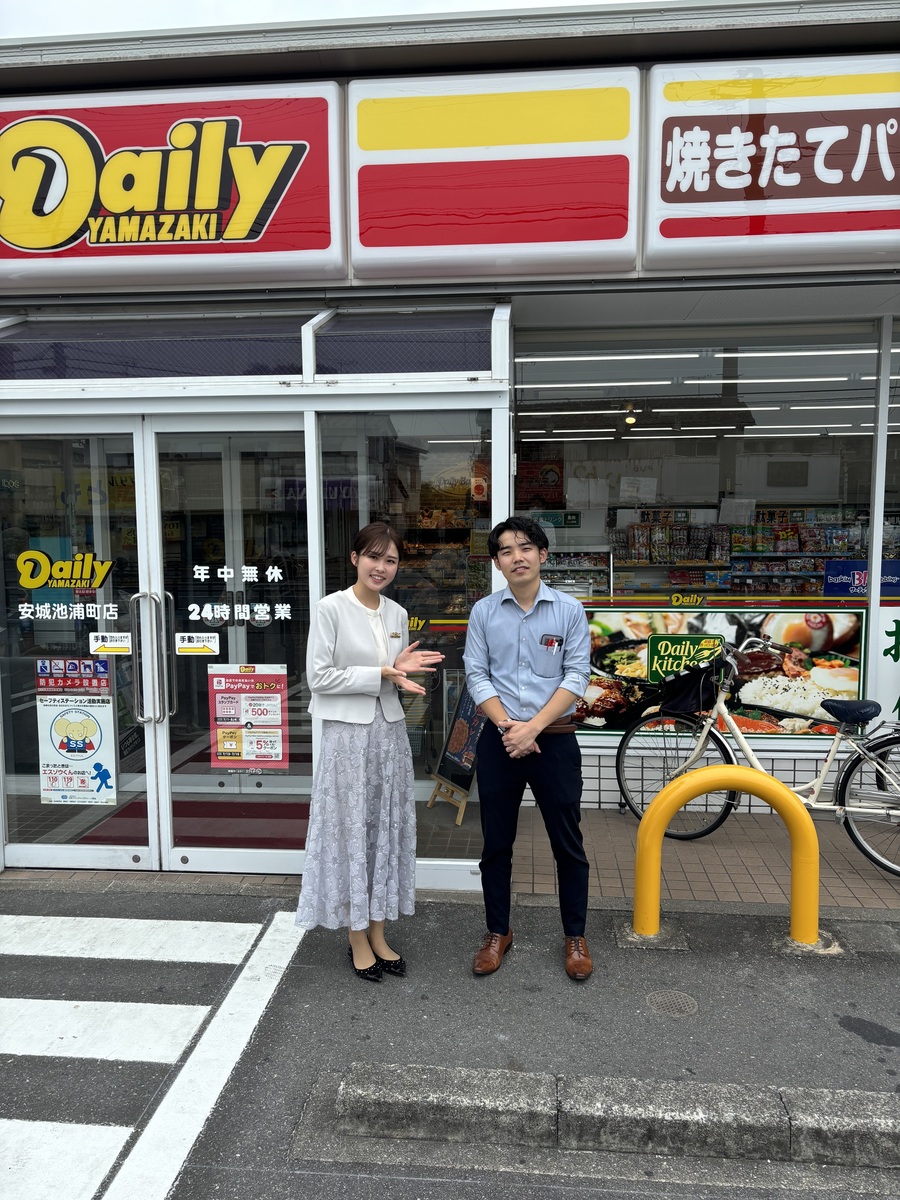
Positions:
(151, 348)
(428, 475)
(442, 341)
(717, 483)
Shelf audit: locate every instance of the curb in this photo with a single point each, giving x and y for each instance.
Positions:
(618, 1115)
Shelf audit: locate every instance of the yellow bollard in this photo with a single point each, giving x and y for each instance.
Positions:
(804, 843)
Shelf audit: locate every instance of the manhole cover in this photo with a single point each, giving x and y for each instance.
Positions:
(673, 1004)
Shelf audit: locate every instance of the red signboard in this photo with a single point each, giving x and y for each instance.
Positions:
(149, 181)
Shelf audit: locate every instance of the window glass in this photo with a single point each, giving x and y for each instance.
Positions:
(158, 348)
(733, 465)
(400, 343)
(428, 475)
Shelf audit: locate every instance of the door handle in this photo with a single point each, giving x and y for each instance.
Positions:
(239, 598)
(137, 679)
(172, 678)
(162, 666)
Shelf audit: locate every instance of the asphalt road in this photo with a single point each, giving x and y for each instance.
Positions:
(190, 1045)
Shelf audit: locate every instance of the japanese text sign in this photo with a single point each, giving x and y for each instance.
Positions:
(248, 716)
(494, 174)
(158, 186)
(760, 162)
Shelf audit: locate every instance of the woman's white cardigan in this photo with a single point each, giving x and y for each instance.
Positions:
(342, 666)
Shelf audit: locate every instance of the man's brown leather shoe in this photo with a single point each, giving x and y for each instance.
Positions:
(578, 958)
(490, 956)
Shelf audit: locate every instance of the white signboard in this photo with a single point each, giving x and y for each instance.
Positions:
(499, 175)
(77, 748)
(110, 643)
(785, 161)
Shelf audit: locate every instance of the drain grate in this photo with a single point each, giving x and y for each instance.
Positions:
(673, 1004)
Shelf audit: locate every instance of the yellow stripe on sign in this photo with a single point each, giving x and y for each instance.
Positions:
(494, 119)
(782, 88)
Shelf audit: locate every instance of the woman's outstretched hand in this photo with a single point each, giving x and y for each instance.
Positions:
(400, 680)
(411, 661)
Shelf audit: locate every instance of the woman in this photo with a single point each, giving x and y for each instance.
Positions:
(361, 845)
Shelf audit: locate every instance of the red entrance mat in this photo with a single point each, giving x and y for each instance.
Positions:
(239, 824)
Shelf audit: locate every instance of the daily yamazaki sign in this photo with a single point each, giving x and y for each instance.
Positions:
(729, 165)
(128, 185)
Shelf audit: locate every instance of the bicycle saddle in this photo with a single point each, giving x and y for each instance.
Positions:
(854, 712)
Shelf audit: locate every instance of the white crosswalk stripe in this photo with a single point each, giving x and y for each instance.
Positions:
(69, 1160)
(115, 937)
(84, 1029)
(55, 1160)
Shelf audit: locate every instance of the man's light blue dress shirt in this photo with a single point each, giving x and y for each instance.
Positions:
(524, 657)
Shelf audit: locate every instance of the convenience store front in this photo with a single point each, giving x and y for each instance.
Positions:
(181, 478)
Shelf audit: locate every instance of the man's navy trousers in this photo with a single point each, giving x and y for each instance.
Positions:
(554, 777)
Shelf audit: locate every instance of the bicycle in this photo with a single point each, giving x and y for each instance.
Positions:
(662, 745)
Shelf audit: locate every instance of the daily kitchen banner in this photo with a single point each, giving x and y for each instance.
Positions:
(785, 161)
(156, 187)
(494, 175)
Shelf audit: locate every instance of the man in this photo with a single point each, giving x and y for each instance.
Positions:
(527, 661)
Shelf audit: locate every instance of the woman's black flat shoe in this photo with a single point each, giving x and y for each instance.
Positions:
(391, 966)
(369, 974)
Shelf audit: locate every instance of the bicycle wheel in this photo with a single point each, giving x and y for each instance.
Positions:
(876, 834)
(650, 755)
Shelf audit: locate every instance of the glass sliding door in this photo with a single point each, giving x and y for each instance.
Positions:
(234, 566)
(74, 766)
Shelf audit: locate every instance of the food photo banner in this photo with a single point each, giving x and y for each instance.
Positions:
(776, 692)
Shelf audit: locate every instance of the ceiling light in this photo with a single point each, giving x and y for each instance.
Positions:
(830, 425)
(548, 434)
(751, 433)
(648, 436)
(787, 379)
(708, 409)
(830, 407)
(537, 387)
(715, 427)
(602, 358)
(557, 438)
(455, 441)
(788, 353)
(870, 377)
(577, 412)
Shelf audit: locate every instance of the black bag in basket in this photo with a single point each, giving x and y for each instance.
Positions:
(693, 690)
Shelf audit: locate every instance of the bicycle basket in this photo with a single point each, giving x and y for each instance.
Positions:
(693, 690)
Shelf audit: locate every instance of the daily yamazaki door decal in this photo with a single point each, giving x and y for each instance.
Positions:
(163, 185)
(494, 174)
(774, 162)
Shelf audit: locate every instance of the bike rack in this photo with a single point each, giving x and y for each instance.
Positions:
(664, 806)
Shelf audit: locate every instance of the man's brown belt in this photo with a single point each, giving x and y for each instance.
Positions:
(561, 725)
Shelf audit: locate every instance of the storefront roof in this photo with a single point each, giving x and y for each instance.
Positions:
(627, 32)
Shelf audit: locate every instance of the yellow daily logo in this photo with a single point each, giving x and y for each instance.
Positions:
(37, 569)
(57, 185)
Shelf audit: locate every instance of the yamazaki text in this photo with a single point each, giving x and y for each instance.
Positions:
(57, 186)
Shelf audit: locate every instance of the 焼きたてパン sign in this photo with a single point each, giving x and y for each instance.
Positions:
(494, 174)
(159, 185)
(760, 162)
